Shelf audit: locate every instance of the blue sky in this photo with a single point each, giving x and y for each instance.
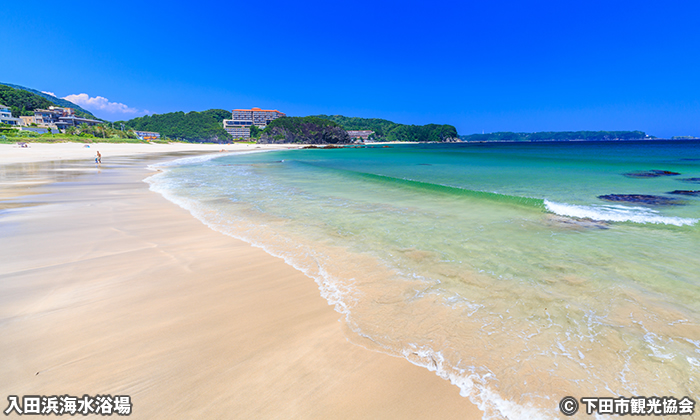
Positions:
(480, 66)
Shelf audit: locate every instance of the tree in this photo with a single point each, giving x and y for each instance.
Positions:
(192, 126)
(21, 102)
(385, 130)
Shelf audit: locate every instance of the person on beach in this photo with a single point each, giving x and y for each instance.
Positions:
(98, 158)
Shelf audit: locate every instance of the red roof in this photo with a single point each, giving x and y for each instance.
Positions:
(258, 109)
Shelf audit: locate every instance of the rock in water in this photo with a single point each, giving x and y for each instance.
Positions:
(650, 174)
(654, 200)
(691, 180)
(686, 192)
(575, 223)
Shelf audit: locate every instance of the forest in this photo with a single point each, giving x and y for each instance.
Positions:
(193, 126)
(22, 102)
(385, 130)
(307, 130)
(48, 101)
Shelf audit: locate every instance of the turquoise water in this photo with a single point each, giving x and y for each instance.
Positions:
(495, 265)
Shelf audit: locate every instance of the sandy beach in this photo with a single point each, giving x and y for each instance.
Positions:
(108, 288)
(39, 152)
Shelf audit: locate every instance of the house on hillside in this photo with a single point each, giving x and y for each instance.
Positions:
(147, 135)
(60, 118)
(6, 116)
(360, 134)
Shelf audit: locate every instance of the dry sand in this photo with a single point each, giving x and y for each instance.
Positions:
(37, 152)
(108, 288)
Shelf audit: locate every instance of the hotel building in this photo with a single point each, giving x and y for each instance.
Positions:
(242, 119)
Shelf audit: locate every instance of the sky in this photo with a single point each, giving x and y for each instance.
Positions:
(482, 66)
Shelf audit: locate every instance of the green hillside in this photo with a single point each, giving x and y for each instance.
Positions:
(81, 112)
(21, 102)
(192, 126)
(386, 130)
(307, 130)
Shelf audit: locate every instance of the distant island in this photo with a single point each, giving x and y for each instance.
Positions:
(559, 136)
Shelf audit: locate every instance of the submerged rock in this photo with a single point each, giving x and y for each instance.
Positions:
(686, 192)
(575, 223)
(691, 180)
(650, 174)
(654, 200)
(330, 146)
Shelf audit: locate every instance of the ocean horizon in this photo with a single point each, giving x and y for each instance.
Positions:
(522, 273)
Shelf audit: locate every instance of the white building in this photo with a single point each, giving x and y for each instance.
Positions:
(360, 134)
(147, 135)
(61, 118)
(6, 116)
(242, 119)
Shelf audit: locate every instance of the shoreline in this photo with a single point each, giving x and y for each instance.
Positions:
(41, 152)
(112, 289)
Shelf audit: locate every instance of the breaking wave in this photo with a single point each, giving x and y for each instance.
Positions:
(616, 214)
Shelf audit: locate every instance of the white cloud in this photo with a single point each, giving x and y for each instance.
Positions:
(49, 93)
(100, 103)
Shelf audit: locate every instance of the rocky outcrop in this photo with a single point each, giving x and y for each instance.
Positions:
(653, 200)
(650, 174)
(330, 146)
(686, 192)
(306, 133)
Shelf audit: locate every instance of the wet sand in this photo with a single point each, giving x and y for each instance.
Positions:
(108, 288)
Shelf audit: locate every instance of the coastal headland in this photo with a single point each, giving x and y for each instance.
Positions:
(108, 288)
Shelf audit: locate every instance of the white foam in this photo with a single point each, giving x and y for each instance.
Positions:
(203, 158)
(616, 214)
(336, 295)
(473, 385)
(479, 384)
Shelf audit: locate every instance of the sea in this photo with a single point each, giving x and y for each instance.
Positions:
(498, 266)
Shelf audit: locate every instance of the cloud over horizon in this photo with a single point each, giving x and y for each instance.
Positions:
(49, 93)
(100, 103)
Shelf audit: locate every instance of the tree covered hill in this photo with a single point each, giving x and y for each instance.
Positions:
(21, 102)
(385, 130)
(558, 135)
(192, 126)
(307, 130)
(52, 100)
